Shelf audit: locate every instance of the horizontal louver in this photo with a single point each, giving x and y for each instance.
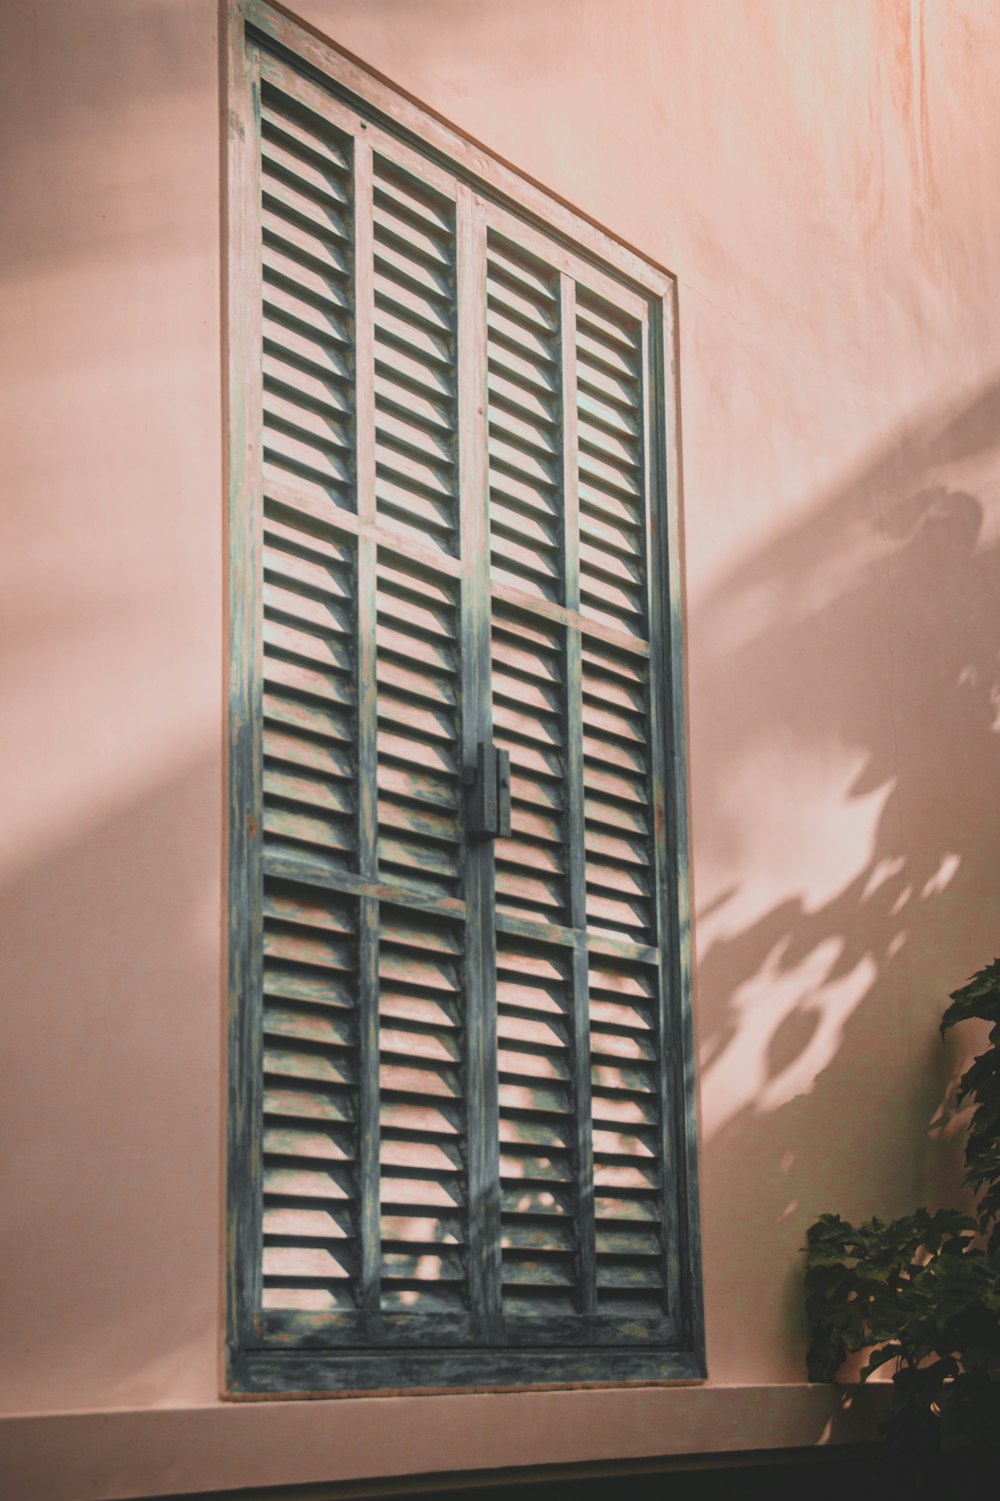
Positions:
(523, 353)
(529, 721)
(419, 729)
(625, 1105)
(415, 385)
(311, 1073)
(538, 1169)
(423, 1130)
(308, 320)
(610, 444)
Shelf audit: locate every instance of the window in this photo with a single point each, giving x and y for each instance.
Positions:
(461, 1103)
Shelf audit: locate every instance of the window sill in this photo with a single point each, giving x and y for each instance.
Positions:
(112, 1454)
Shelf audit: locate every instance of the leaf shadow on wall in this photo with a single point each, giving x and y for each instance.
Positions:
(859, 652)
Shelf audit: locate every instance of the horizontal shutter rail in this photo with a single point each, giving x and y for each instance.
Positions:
(595, 942)
(356, 1331)
(622, 949)
(527, 927)
(349, 883)
(546, 609)
(298, 505)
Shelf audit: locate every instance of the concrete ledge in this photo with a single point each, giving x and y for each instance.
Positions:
(116, 1454)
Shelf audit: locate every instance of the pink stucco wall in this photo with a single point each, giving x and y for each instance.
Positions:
(822, 179)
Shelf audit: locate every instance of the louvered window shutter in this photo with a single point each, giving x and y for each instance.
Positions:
(461, 1145)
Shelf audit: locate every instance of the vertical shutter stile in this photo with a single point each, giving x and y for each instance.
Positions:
(245, 1075)
(368, 934)
(481, 1059)
(672, 830)
(584, 1164)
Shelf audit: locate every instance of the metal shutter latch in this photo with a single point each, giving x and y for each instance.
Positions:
(487, 795)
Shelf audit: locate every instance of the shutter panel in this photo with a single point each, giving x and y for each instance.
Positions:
(529, 685)
(454, 1052)
(522, 300)
(415, 358)
(616, 780)
(419, 729)
(539, 1110)
(310, 1223)
(423, 1117)
(626, 1053)
(309, 698)
(306, 214)
(613, 579)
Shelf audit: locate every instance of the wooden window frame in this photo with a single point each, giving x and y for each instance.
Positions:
(258, 1365)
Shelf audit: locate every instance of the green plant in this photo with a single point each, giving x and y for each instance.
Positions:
(924, 1291)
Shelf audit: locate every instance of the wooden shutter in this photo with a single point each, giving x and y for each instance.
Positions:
(459, 1148)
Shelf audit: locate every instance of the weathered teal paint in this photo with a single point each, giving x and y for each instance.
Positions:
(478, 1339)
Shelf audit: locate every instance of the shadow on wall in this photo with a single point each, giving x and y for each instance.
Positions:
(857, 909)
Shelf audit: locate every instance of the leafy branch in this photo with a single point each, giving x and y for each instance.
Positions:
(923, 1291)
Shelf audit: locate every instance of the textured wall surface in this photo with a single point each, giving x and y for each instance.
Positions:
(821, 178)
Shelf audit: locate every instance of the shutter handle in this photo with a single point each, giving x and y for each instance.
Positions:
(487, 793)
